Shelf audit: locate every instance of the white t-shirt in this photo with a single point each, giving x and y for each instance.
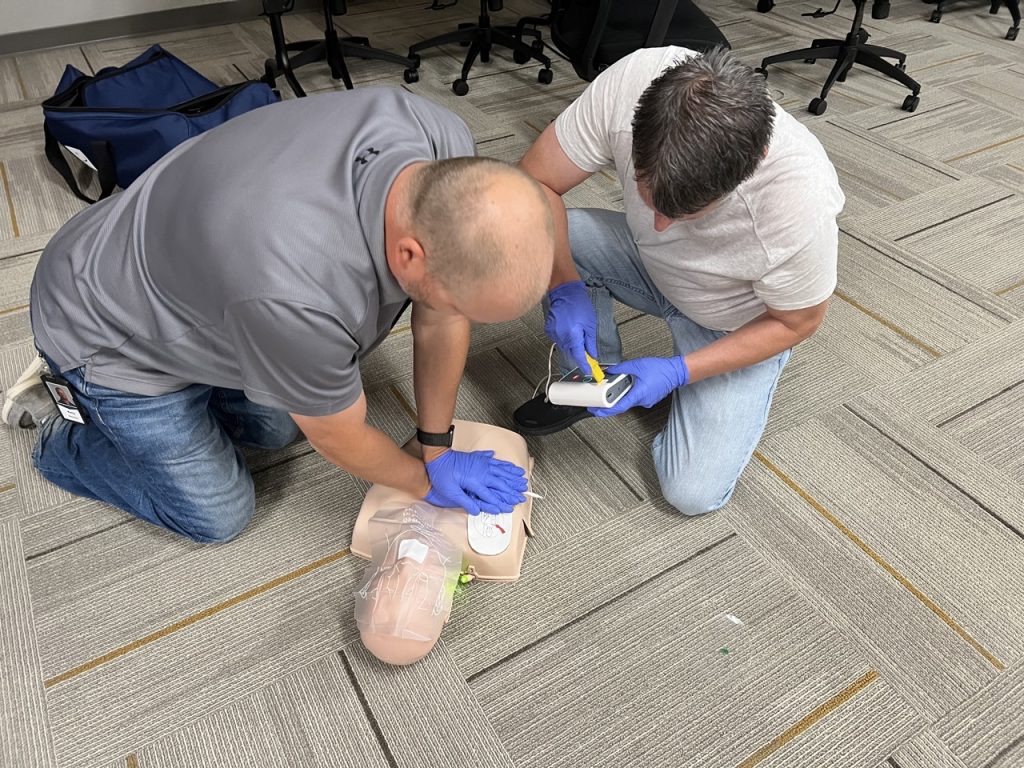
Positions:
(772, 242)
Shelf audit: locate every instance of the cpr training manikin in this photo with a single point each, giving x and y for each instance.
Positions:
(418, 554)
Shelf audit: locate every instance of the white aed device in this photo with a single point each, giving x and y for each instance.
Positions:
(578, 388)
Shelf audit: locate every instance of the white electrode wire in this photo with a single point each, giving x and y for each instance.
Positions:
(547, 381)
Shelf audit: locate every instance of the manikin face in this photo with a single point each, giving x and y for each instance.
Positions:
(405, 598)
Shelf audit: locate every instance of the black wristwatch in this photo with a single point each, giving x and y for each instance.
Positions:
(436, 439)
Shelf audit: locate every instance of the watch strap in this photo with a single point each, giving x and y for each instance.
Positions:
(436, 439)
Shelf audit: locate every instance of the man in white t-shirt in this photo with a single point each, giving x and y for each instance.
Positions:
(729, 234)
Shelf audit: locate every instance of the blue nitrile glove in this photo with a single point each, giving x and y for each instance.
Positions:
(654, 379)
(572, 322)
(475, 481)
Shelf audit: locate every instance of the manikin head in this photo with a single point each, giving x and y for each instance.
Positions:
(406, 592)
(700, 130)
(470, 236)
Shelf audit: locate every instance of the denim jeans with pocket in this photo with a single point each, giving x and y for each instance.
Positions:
(173, 460)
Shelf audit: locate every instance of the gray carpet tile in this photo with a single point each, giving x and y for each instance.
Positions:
(311, 717)
(916, 652)
(492, 623)
(10, 85)
(854, 731)
(926, 750)
(10, 502)
(183, 672)
(996, 305)
(127, 567)
(925, 312)
(936, 206)
(989, 731)
(953, 550)
(427, 713)
(40, 71)
(874, 176)
(992, 430)
(21, 135)
(1002, 89)
(972, 461)
(961, 380)
(24, 244)
(54, 528)
(24, 728)
(198, 47)
(745, 684)
(15, 279)
(7, 476)
(42, 202)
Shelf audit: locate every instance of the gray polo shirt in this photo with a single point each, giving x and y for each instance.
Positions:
(251, 257)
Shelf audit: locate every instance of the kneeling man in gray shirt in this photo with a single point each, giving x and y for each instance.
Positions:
(228, 296)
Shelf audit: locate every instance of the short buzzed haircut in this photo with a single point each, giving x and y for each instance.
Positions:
(699, 131)
(464, 248)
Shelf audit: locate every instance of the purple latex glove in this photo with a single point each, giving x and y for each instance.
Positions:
(475, 481)
(654, 379)
(572, 322)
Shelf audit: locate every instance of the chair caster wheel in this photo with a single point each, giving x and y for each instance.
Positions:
(763, 6)
(809, 61)
(520, 57)
(936, 17)
(460, 87)
(910, 103)
(762, 71)
(544, 76)
(1011, 33)
(411, 76)
(817, 106)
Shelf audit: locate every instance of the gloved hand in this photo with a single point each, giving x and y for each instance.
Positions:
(475, 481)
(572, 322)
(654, 379)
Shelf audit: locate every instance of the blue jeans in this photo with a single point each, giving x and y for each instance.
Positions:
(715, 424)
(172, 460)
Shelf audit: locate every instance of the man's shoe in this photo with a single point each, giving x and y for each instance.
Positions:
(539, 417)
(27, 404)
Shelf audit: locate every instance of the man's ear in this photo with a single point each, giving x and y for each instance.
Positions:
(407, 260)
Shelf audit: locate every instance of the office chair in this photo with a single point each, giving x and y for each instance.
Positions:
(1013, 5)
(332, 47)
(853, 50)
(594, 34)
(481, 38)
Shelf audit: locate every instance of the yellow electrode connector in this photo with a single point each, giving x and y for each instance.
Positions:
(595, 369)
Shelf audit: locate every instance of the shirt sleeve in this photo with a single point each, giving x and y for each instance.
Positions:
(586, 127)
(294, 357)
(805, 278)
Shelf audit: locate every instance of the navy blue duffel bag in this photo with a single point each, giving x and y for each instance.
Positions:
(124, 119)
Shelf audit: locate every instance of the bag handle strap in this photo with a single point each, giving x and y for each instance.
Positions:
(102, 158)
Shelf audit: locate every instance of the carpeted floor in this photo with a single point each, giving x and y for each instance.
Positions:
(859, 602)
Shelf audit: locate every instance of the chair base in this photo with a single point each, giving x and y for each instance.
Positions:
(1013, 5)
(481, 38)
(333, 48)
(854, 49)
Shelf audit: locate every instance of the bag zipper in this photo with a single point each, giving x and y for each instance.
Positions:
(173, 109)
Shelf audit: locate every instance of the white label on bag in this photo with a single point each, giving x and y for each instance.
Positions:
(78, 153)
(413, 549)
